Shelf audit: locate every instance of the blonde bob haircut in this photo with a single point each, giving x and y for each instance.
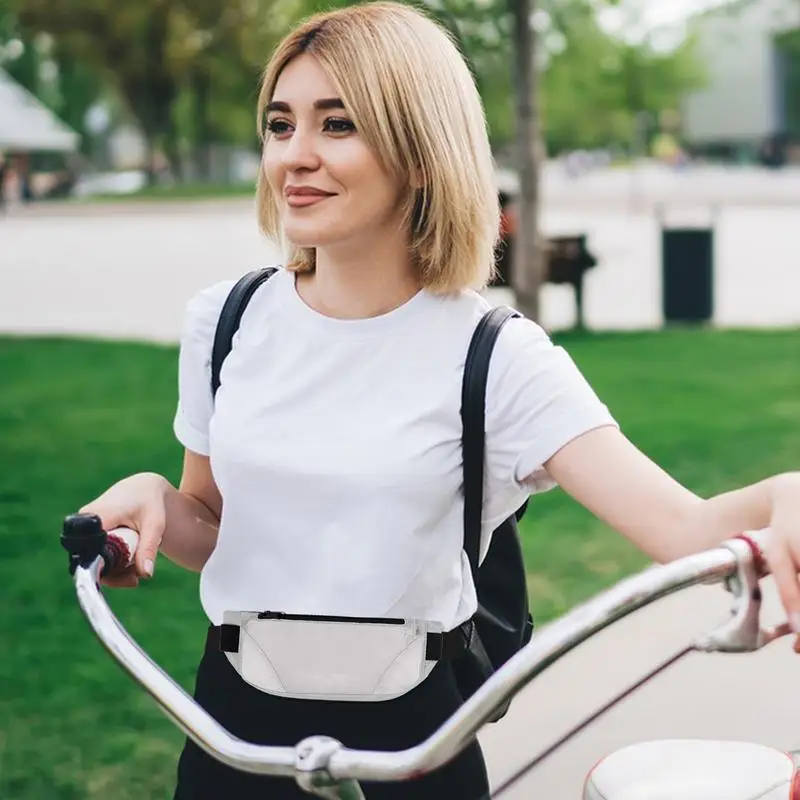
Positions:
(415, 104)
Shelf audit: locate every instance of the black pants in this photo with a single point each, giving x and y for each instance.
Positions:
(258, 717)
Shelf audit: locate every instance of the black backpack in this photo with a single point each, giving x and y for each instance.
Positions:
(502, 625)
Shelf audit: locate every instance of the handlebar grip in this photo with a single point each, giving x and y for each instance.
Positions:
(120, 550)
(84, 539)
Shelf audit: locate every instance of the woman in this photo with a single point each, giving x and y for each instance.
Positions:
(335, 436)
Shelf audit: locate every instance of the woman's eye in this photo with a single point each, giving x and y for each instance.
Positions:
(339, 125)
(281, 127)
(277, 127)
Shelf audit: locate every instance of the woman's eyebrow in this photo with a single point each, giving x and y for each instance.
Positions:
(323, 105)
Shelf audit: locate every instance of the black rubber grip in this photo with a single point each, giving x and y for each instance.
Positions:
(83, 538)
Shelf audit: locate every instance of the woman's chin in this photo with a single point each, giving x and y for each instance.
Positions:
(308, 238)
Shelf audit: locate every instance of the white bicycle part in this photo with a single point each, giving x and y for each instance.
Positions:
(325, 768)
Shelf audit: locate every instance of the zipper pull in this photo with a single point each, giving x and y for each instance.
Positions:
(271, 615)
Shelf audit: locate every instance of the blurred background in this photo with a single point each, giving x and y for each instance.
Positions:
(648, 166)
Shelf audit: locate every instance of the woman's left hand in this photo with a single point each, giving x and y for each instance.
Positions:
(782, 546)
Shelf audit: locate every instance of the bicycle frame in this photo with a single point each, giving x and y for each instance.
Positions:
(325, 768)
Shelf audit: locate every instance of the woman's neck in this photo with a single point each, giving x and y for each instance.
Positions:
(359, 286)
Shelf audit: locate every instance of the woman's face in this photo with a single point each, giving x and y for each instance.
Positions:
(329, 187)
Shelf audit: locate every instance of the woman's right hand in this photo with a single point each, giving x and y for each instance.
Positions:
(137, 502)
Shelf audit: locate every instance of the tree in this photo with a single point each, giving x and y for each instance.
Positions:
(125, 46)
(598, 81)
(492, 35)
(155, 52)
(18, 55)
(60, 82)
(574, 84)
(529, 265)
(219, 55)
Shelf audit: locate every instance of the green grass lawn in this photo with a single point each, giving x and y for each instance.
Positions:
(716, 409)
(196, 190)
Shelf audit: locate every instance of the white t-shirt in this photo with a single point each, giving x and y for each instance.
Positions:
(336, 446)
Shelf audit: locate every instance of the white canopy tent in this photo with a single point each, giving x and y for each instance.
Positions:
(27, 125)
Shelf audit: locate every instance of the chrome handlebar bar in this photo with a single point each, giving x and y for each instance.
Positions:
(325, 768)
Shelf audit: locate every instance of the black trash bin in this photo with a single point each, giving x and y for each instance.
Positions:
(688, 274)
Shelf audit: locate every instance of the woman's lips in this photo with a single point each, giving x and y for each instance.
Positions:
(301, 200)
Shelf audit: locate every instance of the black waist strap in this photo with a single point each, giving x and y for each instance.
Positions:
(439, 646)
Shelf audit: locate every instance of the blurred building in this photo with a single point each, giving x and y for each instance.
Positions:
(751, 52)
(27, 125)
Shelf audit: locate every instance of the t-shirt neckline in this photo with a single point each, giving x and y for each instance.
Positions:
(295, 307)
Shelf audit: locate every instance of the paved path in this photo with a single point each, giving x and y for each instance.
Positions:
(749, 697)
(122, 271)
(126, 271)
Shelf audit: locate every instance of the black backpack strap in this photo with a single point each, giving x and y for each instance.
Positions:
(473, 409)
(231, 316)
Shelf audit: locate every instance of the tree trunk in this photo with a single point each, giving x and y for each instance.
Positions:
(150, 125)
(150, 88)
(172, 153)
(151, 168)
(529, 267)
(201, 86)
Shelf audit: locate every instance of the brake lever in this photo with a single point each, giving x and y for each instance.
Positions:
(742, 633)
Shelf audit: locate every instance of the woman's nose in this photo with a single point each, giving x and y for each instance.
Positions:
(301, 151)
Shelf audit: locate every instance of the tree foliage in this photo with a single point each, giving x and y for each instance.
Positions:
(187, 71)
(593, 81)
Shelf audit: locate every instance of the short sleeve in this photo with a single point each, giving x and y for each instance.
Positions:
(537, 402)
(195, 402)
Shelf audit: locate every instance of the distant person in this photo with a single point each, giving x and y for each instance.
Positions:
(504, 251)
(667, 150)
(324, 479)
(577, 163)
(772, 153)
(22, 168)
(3, 173)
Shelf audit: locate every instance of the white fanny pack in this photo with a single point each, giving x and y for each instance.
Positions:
(333, 658)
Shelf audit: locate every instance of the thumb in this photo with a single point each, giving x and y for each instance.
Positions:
(151, 532)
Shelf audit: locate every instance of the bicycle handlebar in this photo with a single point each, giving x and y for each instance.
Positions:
(732, 562)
